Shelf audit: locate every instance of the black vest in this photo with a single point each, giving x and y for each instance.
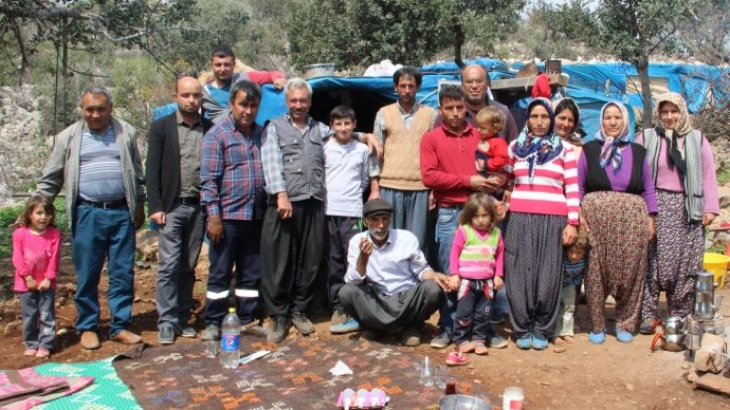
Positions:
(596, 178)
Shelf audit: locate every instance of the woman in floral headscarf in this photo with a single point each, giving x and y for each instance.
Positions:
(544, 215)
(681, 162)
(618, 205)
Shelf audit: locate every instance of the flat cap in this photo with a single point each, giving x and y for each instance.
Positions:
(374, 206)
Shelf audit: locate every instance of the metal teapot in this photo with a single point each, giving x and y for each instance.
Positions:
(705, 306)
(673, 325)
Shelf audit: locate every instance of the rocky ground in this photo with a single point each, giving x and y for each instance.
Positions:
(608, 376)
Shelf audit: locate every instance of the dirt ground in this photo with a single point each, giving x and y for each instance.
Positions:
(608, 376)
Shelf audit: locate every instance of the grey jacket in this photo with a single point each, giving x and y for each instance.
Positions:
(63, 166)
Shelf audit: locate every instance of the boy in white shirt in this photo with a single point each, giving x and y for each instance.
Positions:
(349, 169)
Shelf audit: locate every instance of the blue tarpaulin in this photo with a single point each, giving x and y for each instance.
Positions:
(590, 84)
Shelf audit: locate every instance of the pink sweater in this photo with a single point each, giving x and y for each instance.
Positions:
(669, 179)
(36, 255)
(553, 190)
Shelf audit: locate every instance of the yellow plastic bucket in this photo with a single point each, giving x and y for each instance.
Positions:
(717, 264)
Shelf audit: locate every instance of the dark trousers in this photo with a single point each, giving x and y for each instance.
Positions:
(374, 310)
(240, 246)
(291, 251)
(472, 311)
(39, 318)
(340, 229)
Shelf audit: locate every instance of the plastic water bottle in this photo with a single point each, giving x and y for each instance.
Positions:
(230, 336)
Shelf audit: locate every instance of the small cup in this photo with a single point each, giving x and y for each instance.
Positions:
(210, 347)
(513, 398)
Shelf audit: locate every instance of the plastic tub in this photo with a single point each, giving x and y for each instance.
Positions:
(319, 70)
(717, 264)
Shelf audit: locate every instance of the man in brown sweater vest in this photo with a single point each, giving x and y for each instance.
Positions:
(399, 126)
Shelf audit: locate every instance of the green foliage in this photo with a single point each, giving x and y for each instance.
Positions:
(353, 32)
(556, 30)
(8, 216)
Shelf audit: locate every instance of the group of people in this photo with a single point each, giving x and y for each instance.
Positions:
(519, 218)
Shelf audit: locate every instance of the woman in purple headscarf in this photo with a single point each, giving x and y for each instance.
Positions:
(681, 162)
(618, 205)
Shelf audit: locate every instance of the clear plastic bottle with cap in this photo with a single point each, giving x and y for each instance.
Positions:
(230, 338)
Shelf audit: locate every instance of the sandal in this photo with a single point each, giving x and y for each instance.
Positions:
(456, 358)
(466, 347)
(480, 348)
(43, 353)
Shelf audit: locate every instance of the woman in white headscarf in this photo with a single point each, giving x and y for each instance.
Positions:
(617, 208)
(683, 172)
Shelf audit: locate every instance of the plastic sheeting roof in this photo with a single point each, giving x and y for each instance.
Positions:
(591, 85)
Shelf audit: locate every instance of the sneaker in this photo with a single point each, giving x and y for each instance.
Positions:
(441, 340)
(166, 335)
(30, 352)
(456, 359)
(338, 316)
(280, 330)
(350, 325)
(43, 353)
(189, 332)
(211, 332)
(480, 348)
(597, 338)
(90, 340)
(466, 347)
(495, 341)
(624, 336)
(648, 326)
(539, 342)
(303, 325)
(524, 342)
(411, 336)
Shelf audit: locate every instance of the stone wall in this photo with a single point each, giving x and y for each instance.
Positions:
(23, 151)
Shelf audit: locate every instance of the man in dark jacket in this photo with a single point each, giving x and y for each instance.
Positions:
(173, 178)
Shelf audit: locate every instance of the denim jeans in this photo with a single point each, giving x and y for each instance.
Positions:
(98, 233)
(39, 319)
(448, 221)
(180, 240)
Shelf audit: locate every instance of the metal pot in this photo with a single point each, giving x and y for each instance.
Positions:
(692, 325)
(716, 325)
(463, 402)
(693, 341)
(670, 343)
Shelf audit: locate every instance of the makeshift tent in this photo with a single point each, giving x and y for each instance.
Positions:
(590, 84)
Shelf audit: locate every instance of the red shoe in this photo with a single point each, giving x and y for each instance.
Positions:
(456, 358)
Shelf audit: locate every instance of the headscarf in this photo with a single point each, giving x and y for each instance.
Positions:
(574, 138)
(610, 151)
(684, 125)
(675, 153)
(537, 149)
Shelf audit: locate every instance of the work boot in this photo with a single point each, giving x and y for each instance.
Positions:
(280, 330)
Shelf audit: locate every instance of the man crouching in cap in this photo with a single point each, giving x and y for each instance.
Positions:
(388, 284)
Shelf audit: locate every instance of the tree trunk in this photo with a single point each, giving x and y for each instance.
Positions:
(642, 68)
(459, 39)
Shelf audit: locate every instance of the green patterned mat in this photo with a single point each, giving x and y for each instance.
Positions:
(107, 392)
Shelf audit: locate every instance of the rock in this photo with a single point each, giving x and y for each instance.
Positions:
(559, 350)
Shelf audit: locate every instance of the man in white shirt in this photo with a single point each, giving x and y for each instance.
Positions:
(388, 284)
